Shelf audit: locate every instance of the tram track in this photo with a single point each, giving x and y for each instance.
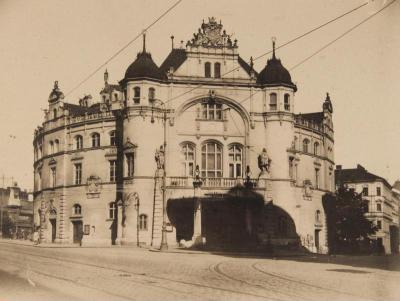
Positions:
(140, 275)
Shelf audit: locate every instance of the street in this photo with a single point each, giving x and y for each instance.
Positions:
(122, 273)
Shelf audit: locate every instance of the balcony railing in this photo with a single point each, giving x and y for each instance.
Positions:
(187, 182)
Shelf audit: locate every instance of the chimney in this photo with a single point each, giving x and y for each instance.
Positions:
(360, 167)
(338, 167)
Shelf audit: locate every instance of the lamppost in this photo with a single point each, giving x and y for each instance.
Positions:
(197, 236)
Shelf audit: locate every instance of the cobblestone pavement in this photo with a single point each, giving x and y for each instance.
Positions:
(138, 274)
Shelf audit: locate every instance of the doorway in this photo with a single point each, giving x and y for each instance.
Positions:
(53, 229)
(317, 246)
(78, 232)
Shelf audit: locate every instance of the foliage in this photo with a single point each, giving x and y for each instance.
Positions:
(8, 225)
(348, 228)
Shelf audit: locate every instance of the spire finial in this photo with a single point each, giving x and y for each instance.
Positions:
(251, 63)
(273, 47)
(56, 85)
(144, 41)
(106, 77)
(327, 96)
(172, 42)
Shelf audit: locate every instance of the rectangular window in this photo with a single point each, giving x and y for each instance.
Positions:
(130, 164)
(291, 175)
(53, 177)
(316, 178)
(78, 174)
(378, 191)
(379, 224)
(113, 170)
(211, 111)
(378, 207)
(365, 191)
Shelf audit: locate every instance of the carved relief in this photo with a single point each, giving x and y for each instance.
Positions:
(93, 186)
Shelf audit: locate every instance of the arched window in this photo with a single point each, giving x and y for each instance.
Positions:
(56, 146)
(53, 177)
(316, 148)
(306, 142)
(207, 69)
(136, 95)
(130, 164)
(188, 152)
(95, 140)
(113, 140)
(51, 147)
(235, 161)
(217, 70)
(317, 216)
(211, 160)
(287, 102)
(143, 222)
(77, 209)
(152, 94)
(54, 113)
(78, 142)
(115, 96)
(273, 102)
(112, 210)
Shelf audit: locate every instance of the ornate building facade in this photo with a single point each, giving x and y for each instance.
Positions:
(200, 150)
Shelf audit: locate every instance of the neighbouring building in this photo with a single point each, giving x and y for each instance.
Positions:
(203, 149)
(16, 212)
(383, 203)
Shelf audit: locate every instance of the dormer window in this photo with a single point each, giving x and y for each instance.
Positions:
(273, 102)
(287, 102)
(136, 95)
(207, 69)
(152, 94)
(217, 70)
(211, 111)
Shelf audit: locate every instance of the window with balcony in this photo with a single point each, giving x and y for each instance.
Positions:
(273, 102)
(211, 111)
(287, 102)
(77, 209)
(136, 95)
(113, 170)
(143, 222)
(78, 173)
(217, 70)
(378, 207)
(188, 152)
(211, 160)
(78, 142)
(95, 140)
(235, 161)
(113, 139)
(207, 69)
(112, 210)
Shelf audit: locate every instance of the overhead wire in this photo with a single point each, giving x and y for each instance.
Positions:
(123, 48)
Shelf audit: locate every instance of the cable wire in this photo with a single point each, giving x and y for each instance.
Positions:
(123, 48)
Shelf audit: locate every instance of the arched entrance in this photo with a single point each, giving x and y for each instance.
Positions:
(228, 221)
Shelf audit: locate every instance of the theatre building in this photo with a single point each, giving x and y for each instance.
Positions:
(201, 150)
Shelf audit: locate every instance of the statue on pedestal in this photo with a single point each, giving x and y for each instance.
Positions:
(159, 157)
(264, 161)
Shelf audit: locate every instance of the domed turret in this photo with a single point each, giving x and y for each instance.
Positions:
(143, 66)
(56, 93)
(275, 74)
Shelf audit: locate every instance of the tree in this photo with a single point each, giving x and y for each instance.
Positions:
(8, 225)
(347, 217)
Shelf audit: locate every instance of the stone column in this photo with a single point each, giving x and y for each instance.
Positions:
(197, 238)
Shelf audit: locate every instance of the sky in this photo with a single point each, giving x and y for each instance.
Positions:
(43, 41)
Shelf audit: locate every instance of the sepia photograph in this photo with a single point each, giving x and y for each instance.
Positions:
(213, 150)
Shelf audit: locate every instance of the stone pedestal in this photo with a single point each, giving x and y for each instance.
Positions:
(197, 238)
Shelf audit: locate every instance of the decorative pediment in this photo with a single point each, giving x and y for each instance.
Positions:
(211, 35)
(52, 161)
(129, 145)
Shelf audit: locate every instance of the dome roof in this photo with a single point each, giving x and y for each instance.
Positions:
(143, 67)
(275, 74)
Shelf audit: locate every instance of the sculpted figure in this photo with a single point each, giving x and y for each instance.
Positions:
(264, 161)
(159, 157)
